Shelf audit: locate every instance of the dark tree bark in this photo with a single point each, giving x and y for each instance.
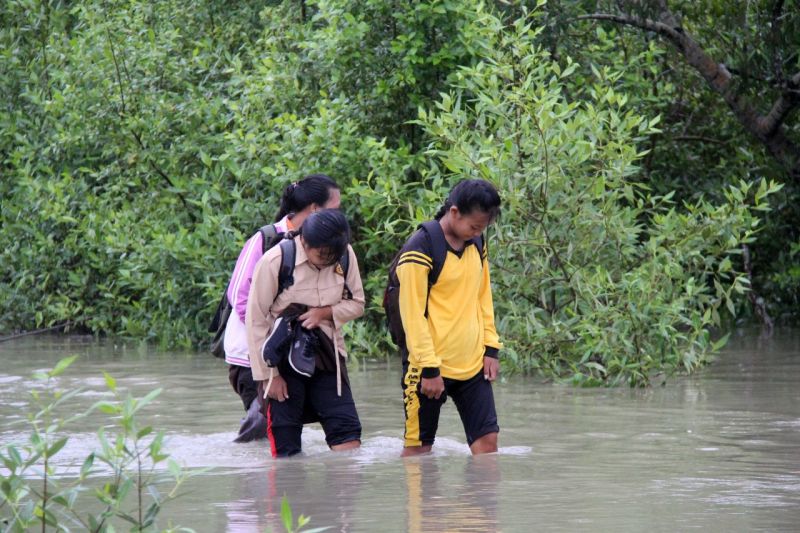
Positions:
(767, 128)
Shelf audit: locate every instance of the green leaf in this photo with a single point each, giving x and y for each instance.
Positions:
(719, 344)
(286, 514)
(174, 468)
(111, 383)
(86, 468)
(62, 365)
(57, 446)
(107, 407)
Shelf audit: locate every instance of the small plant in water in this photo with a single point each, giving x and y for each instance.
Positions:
(33, 497)
(287, 518)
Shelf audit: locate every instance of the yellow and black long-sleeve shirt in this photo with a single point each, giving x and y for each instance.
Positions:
(459, 328)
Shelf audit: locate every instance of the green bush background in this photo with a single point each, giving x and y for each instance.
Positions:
(142, 143)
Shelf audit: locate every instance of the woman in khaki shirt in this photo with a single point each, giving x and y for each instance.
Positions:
(292, 398)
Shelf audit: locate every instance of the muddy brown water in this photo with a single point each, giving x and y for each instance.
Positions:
(715, 451)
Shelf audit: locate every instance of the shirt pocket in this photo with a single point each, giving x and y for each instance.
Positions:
(330, 290)
(300, 294)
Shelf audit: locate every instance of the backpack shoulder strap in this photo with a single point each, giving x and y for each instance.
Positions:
(438, 249)
(286, 272)
(479, 243)
(344, 262)
(268, 234)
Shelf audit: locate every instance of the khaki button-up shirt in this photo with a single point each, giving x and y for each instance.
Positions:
(312, 287)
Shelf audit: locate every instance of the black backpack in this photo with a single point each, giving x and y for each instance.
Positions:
(391, 295)
(270, 237)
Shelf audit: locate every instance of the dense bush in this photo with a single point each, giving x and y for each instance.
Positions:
(596, 276)
(142, 143)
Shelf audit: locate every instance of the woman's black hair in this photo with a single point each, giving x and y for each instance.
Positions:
(469, 195)
(313, 189)
(328, 231)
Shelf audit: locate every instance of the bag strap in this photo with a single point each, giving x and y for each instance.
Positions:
(438, 249)
(479, 242)
(268, 234)
(439, 252)
(286, 272)
(344, 262)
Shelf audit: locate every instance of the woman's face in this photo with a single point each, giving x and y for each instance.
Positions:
(469, 226)
(319, 257)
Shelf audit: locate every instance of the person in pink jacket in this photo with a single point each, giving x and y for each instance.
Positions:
(300, 199)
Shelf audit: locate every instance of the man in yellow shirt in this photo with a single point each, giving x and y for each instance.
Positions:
(451, 340)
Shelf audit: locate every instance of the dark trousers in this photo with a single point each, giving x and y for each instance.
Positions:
(241, 378)
(311, 399)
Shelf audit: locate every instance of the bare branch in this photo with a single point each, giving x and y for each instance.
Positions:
(787, 102)
(700, 138)
(642, 23)
(767, 129)
(759, 306)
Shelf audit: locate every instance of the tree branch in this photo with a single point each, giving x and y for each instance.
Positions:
(759, 306)
(700, 138)
(767, 129)
(786, 103)
(641, 23)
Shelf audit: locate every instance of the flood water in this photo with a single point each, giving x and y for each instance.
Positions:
(716, 451)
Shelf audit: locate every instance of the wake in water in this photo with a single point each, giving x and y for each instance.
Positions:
(217, 450)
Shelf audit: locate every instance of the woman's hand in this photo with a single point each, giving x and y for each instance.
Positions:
(491, 368)
(315, 316)
(278, 390)
(432, 387)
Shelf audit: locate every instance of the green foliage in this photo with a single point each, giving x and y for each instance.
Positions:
(597, 278)
(142, 143)
(701, 148)
(32, 495)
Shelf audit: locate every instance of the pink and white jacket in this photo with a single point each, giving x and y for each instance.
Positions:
(236, 351)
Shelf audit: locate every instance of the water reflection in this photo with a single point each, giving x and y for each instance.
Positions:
(437, 506)
(433, 493)
(326, 492)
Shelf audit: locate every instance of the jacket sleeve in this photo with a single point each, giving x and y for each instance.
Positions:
(491, 339)
(412, 271)
(258, 318)
(239, 286)
(347, 310)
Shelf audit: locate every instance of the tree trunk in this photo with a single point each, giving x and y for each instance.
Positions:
(768, 129)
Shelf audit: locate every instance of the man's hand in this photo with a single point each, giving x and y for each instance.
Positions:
(278, 389)
(491, 367)
(315, 316)
(432, 387)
